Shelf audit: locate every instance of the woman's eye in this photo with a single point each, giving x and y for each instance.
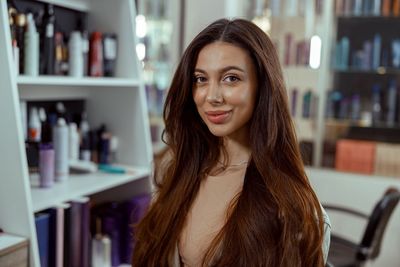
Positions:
(200, 79)
(231, 79)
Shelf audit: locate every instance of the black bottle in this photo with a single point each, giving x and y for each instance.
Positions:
(47, 47)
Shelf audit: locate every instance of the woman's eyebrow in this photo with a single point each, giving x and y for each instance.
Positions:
(225, 69)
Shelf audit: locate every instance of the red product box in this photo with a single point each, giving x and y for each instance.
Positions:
(355, 156)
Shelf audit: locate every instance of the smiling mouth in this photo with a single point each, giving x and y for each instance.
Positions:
(217, 117)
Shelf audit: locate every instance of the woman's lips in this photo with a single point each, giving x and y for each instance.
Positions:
(217, 117)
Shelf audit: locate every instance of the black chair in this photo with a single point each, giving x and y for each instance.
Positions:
(344, 253)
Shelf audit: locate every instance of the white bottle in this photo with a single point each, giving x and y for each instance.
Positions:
(31, 48)
(73, 142)
(34, 125)
(60, 139)
(75, 49)
(85, 154)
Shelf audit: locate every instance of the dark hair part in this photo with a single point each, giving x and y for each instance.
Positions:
(276, 220)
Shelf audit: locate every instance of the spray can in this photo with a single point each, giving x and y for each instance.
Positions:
(60, 137)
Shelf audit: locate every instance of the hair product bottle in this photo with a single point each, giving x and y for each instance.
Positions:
(376, 52)
(60, 137)
(85, 154)
(47, 41)
(96, 55)
(75, 54)
(109, 53)
(20, 37)
(391, 103)
(46, 164)
(35, 126)
(31, 59)
(85, 52)
(376, 104)
(73, 142)
(58, 59)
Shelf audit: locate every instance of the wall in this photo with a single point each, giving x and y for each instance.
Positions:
(201, 13)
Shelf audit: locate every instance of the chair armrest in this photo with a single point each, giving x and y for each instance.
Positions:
(346, 210)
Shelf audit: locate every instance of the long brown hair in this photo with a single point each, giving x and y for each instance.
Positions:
(276, 220)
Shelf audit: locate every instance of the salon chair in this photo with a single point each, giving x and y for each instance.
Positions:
(345, 253)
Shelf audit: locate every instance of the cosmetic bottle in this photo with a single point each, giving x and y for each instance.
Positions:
(85, 53)
(101, 248)
(60, 137)
(355, 107)
(60, 110)
(47, 41)
(20, 37)
(395, 53)
(73, 142)
(391, 103)
(367, 7)
(75, 52)
(376, 52)
(357, 8)
(46, 164)
(58, 57)
(114, 143)
(94, 144)
(288, 49)
(307, 104)
(12, 12)
(47, 127)
(376, 104)
(345, 52)
(84, 128)
(109, 53)
(15, 51)
(34, 131)
(376, 8)
(31, 59)
(96, 55)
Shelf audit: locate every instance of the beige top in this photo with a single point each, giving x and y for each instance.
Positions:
(208, 214)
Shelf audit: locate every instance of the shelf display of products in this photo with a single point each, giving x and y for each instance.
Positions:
(35, 173)
(46, 42)
(363, 106)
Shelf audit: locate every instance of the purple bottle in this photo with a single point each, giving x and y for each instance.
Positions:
(46, 165)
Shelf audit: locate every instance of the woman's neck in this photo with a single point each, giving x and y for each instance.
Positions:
(237, 151)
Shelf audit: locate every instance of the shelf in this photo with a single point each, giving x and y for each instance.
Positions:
(379, 71)
(369, 18)
(71, 81)
(79, 185)
(360, 124)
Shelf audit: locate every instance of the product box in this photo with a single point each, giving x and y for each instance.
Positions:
(355, 156)
(387, 160)
(13, 251)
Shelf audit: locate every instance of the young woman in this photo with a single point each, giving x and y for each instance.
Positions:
(232, 190)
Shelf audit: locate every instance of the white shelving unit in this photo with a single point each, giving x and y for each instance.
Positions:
(119, 102)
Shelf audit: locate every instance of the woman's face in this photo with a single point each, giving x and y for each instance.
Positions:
(225, 87)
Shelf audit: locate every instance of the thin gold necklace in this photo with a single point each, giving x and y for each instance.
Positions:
(233, 165)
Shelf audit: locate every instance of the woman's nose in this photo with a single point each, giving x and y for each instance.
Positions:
(214, 93)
